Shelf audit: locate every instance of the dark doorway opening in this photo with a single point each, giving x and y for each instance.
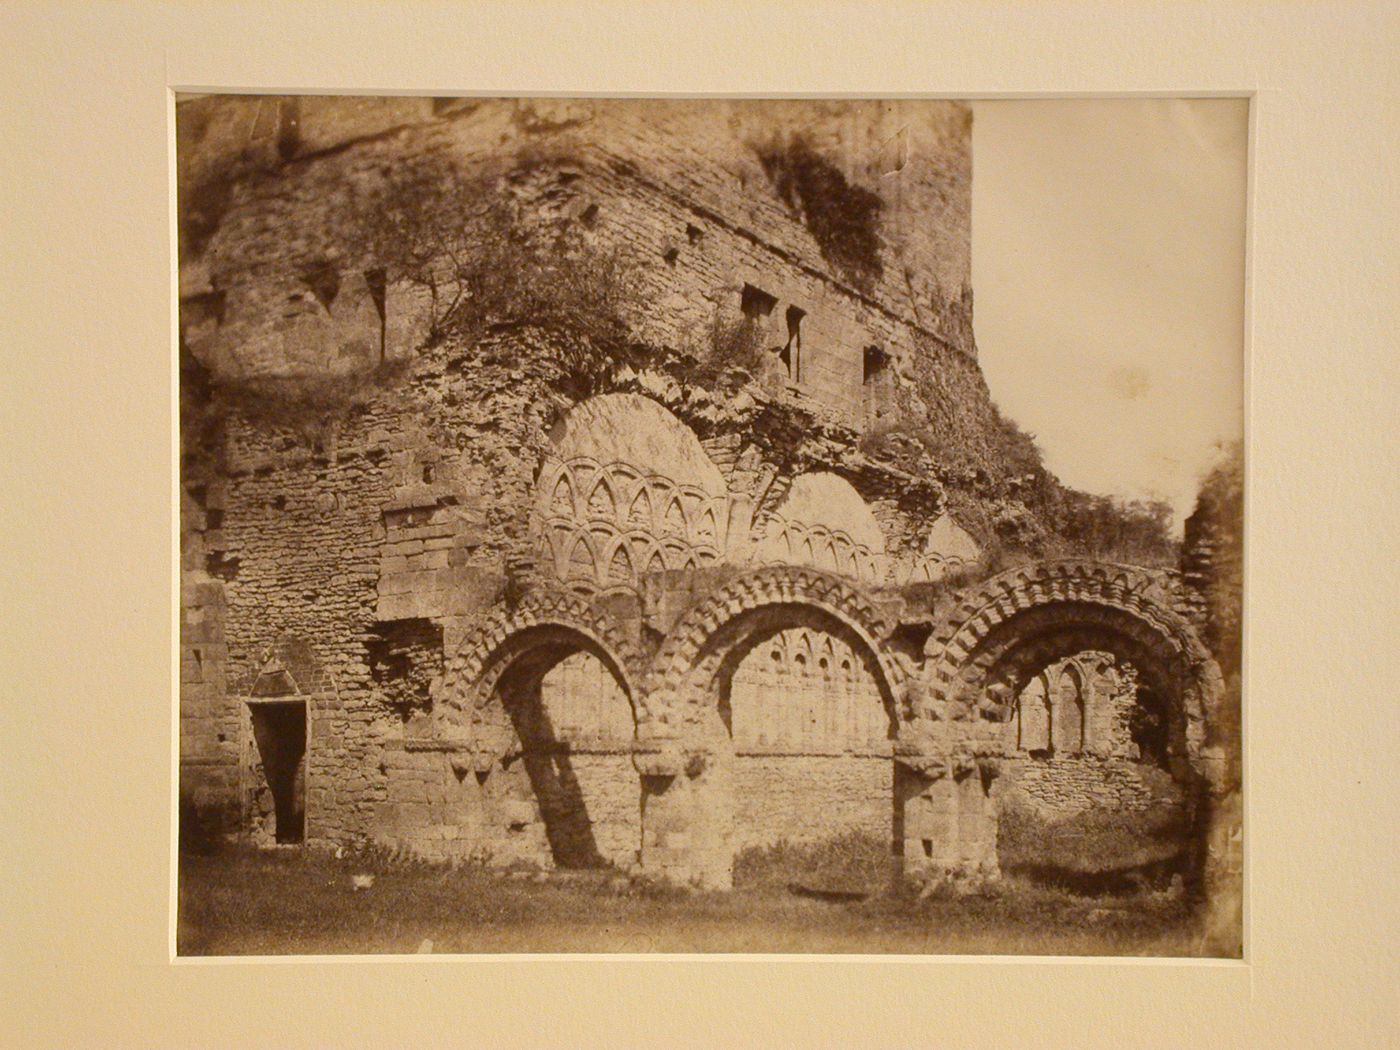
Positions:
(279, 731)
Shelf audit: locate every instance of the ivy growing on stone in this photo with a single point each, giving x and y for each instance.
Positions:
(488, 262)
(844, 219)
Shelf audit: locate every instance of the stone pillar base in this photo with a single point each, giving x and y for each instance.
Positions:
(946, 822)
(686, 824)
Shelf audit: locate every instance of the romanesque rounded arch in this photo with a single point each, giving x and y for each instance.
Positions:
(543, 620)
(673, 705)
(1003, 631)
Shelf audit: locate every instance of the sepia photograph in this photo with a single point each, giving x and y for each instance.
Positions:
(700, 525)
(710, 525)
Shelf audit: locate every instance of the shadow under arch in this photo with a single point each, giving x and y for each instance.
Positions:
(712, 806)
(496, 700)
(543, 751)
(1020, 648)
(1005, 631)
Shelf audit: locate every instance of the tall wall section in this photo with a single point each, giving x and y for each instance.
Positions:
(376, 535)
(700, 196)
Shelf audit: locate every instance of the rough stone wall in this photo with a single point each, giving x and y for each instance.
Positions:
(1062, 766)
(804, 798)
(947, 822)
(679, 186)
(405, 511)
(438, 809)
(382, 536)
(209, 728)
(702, 156)
(1065, 786)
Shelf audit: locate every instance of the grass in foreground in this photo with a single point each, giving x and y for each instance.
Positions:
(250, 902)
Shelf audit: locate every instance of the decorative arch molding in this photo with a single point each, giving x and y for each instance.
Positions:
(626, 489)
(948, 547)
(833, 550)
(543, 621)
(822, 522)
(672, 705)
(1001, 633)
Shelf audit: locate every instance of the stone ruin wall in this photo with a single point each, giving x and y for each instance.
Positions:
(342, 546)
(679, 188)
(1071, 747)
(383, 540)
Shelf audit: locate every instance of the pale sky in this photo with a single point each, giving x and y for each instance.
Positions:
(1108, 273)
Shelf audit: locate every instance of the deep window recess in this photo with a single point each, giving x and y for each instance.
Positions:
(792, 352)
(756, 303)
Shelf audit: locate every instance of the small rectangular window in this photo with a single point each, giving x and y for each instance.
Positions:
(756, 303)
(876, 362)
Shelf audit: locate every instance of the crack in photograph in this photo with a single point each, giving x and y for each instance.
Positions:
(605, 527)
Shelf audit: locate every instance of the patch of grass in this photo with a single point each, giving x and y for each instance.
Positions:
(1096, 850)
(856, 862)
(303, 901)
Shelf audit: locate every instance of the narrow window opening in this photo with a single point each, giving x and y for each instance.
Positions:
(876, 362)
(378, 283)
(877, 388)
(792, 352)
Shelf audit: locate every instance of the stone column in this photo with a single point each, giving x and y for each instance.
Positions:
(946, 818)
(687, 814)
(925, 819)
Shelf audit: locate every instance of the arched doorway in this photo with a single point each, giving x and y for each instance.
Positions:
(564, 788)
(541, 699)
(775, 700)
(809, 730)
(1037, 647)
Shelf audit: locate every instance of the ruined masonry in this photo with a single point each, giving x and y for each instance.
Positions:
(666, 621)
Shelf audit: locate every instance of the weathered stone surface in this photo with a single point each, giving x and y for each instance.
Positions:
(521, 623)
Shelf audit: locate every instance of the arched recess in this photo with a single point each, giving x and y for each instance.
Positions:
(624, 489)
(1090, 734)
(541, 699)
(285, 695)
(824, 523)
(947, 548)
(1002, 633)
(706, 633)
(788, 749)
(1006, 631)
